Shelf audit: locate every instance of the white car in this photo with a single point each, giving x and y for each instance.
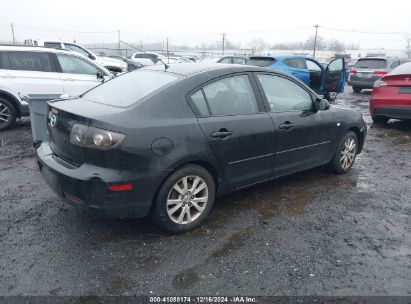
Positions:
(111, 64)
(148, 58)
(38, 72)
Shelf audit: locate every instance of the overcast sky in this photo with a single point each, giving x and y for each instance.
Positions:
(193, 22)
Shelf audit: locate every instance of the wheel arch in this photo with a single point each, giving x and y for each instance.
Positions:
(360, 138)
(206, 165)
(9, 97)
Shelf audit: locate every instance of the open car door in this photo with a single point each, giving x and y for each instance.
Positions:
(334, 76)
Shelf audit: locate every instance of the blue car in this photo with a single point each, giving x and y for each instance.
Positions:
(327, 81)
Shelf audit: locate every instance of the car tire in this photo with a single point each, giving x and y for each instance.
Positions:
(178, 206)
(380, 119)
(331, 96)
(8, 114)
(356, 89)
(345, 154)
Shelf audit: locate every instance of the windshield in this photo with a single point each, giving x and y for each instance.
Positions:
(371, 64)
(262, 62)
(129, 88)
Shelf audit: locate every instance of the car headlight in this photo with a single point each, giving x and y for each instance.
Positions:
(91, 137)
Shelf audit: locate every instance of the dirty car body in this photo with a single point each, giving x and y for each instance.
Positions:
(156, 122)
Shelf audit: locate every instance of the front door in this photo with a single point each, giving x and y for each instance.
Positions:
(334, 76)
(303, 135)
(240, 133)
(77, 74)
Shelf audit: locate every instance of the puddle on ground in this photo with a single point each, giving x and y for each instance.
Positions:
(235, 242)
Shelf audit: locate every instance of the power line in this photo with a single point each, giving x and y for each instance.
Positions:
(363, 32)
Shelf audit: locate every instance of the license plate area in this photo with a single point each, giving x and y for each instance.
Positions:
(405, 90)
(365, 75)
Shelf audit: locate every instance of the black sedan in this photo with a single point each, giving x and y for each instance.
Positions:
(166, 142)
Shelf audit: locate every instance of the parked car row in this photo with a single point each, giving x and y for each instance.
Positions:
(112, 64)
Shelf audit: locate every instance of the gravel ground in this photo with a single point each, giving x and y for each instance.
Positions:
(312, 233)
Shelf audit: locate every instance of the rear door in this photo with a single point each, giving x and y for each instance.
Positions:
(239, 132)
(334, 76)
(304, 136)
(297, 67)
(31, 74)
(77, 74)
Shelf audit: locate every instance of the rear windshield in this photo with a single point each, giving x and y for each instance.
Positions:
(129, 88)
(260, 61)
(403, 69)
(371, 64)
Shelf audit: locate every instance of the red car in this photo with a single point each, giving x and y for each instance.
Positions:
(391, 95)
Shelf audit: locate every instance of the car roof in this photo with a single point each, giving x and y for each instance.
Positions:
(31, 48)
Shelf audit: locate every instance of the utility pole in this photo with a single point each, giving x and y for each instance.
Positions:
(12, 32)
(168, 58)
(223, 42)
(119, 42)
(141, 44)
(315, 39)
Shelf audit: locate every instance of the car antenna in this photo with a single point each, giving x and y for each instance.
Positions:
(166, 66)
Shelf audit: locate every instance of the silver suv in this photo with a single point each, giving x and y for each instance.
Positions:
(367, 70)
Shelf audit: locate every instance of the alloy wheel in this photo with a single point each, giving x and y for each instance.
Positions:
(187, 199)
(5, 114)
(332, 95)
(348, 153)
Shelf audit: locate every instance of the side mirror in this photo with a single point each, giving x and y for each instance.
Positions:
(91, 57)
(100, 75)
(322, 104)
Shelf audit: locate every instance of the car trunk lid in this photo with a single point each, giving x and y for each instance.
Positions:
(61, 118)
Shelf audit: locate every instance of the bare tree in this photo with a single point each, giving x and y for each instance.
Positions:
(408, 46)
(258, 44)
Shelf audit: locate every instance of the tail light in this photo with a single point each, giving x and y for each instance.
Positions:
(90, 137)
(353, 72)
(379, 84)
(380, 73)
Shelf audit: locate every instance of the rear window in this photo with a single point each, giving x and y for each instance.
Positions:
(4, 61)
(371, 64)
(29, 61)
(53, 45)
(260, 61)
(403, 69)
(129, 88)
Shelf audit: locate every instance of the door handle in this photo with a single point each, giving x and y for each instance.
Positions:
(222, 133)
(286, 125)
